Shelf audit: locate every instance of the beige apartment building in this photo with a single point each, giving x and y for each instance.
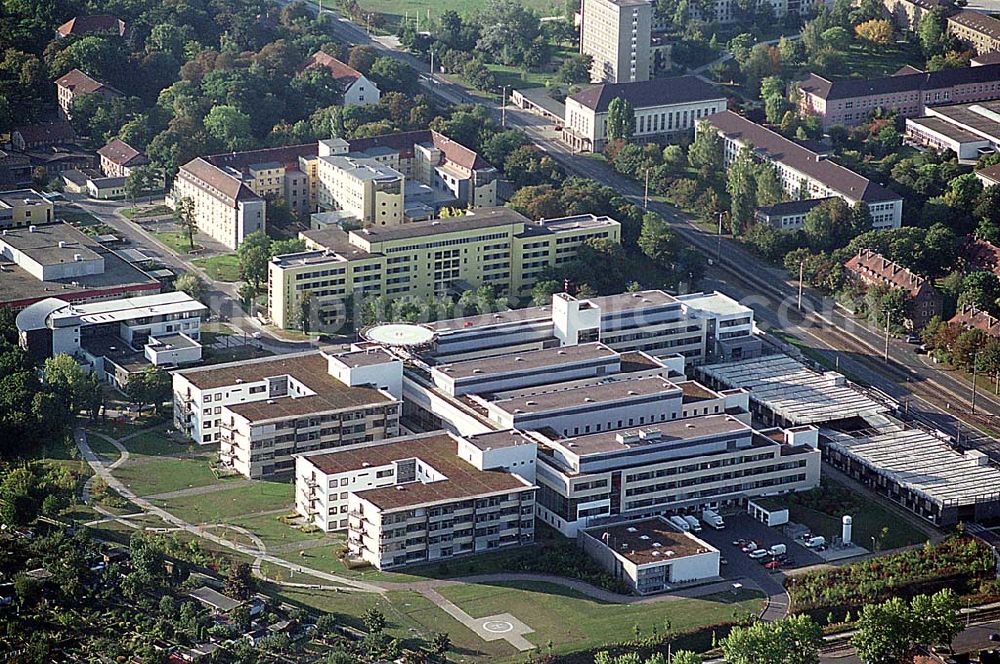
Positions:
(906, 14)
(230, 190)
(617, 34)
(263, 412)
(851, 101)
(975, 29)
(119, 159)
(362, 190)
(422, 498)
(495, 246)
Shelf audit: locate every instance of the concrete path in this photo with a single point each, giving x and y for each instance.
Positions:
(489, 628)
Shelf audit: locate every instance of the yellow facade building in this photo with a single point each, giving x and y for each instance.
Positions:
(489, 246)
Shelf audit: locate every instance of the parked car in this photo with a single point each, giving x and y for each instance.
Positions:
(757, 554)
(723, 561)
(739, 542)
(749, 546)
(774, 564)
(912, 339)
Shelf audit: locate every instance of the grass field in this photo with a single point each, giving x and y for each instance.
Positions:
(862, 62)
(573, 621)
(225, 267)
(232, 503)
(870, 517)
(176, 241)
(151, 475)
(146, 211)
(396, 10)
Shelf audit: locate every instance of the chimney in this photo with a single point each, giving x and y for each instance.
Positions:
(77, 258)
(62, 244)
(32, 228)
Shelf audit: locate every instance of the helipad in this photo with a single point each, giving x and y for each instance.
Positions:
(399, 334)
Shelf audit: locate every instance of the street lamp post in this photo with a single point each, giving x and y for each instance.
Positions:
(887, 316)
(975, 377)
(645, 193)
(503, 108)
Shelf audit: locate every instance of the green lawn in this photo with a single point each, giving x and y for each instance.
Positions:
(232, 503)
(176, 241)
(102, 448)
(574, 622)
(822, 509)
(862, 62)
(225, 267)
(146, 476)
(271, 529)
(396, 10)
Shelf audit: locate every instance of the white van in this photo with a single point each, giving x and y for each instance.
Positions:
(758, 554)
(680, 523)
(778, 550)
(693, 522)
(815, 542)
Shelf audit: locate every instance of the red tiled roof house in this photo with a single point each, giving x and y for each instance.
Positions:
(871, 269)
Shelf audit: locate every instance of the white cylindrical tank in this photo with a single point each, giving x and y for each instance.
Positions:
(845, 535)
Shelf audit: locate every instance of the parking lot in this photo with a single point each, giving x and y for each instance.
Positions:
(741, 526)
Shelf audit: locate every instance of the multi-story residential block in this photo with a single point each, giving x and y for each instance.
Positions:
(57, 260)
(101, 24)
(494, 246)
(975, 29)
(851, 101)
(20, 208)
(119, 159)
(422, 498)
(665, 110)
(804, 173)
(650, 555)
(117, 338)
(230, 190)
(356, 88)
(263, 412)
(668, 467)
(362, 190)
(75, 84)
(617, 34)
(872, 269)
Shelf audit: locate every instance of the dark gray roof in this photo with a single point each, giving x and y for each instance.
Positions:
(778, 148)
(981, 23)
(935, 80)
(657, 92)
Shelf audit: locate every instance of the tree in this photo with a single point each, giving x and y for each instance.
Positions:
(66, 378)
(772, 91)
(884, 632)
(792, 640)
(657, 240)
(362, 58)
(139, 182)
(621, 119)
(931, 32)
(240, 583)
(981, 289)
(441, 643)
(184, 217)
(686, 657)
(877, 32)
(767, 184)
(157, 386)
(742, 187)
(374, 620)
(508, 30)
(253, 255)
(543, 290)
(305, 312)
(937, 616)
(392, 75)
(706, 153)
(828, 225)
(230, 126)
(191, 284)
(575, 69)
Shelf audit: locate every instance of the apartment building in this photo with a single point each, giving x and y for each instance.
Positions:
(75, 84)
(851, 101)
(665, 110)
(680, 466)
(617, 35)
(263, 412)
(230, 190)
(422, 498)
(872, 269)
(970, 317)
(979, 31)
(20, 208)
(119, 159)
(906, 14)
(361, 190)
(495, 246)
(116, 338)
(356, 88)
(806, 174)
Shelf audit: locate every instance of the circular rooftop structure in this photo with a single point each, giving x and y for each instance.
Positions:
(399, 335)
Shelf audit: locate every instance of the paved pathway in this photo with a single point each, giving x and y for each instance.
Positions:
(489, 628)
